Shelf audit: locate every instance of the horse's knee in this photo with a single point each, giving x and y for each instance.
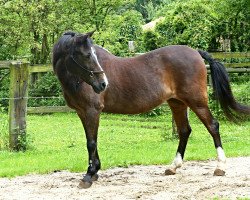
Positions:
(214, 131)
(97, 164)
(185, 132)
(91, 145)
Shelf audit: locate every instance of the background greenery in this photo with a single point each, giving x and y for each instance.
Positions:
(29, 28)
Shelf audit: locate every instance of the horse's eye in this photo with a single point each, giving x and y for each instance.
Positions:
(88, 55)
(77, 52)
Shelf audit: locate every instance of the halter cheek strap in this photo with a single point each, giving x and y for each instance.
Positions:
(90, 72)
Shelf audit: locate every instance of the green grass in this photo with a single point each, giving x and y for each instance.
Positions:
(57, 142)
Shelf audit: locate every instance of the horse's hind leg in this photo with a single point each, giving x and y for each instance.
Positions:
(179, 111)
(204, 114)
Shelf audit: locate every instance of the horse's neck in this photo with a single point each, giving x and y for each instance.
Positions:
(108, 59)
(104, 56)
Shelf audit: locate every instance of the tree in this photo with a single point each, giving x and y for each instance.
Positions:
(30, 27)
(31, 24)
(234, 23)
(190, 23)
(118, 30)
(98, 10)
(148, 8)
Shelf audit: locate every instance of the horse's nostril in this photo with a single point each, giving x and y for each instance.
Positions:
(103, 85)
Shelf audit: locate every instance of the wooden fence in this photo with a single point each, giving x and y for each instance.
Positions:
(19, 82)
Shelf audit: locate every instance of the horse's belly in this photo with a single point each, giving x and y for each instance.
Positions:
(135, 104)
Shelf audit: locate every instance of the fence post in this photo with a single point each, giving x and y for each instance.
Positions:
(19, 76)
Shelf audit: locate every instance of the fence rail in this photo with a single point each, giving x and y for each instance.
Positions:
(222, 55)
(48, 109)
(19, 79)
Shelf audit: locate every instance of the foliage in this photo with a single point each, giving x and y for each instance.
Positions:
(4, 89)
(4, 139)
(233, 24)
(121, 29)
(46, 91)
(204, 24)
(188, 23)
(29, 28)
(148, 8)
(150, 39)
(26, 28)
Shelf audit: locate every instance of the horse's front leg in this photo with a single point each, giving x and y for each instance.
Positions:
(90, 121)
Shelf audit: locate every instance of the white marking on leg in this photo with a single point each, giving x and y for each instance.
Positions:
(177, 162)
(90, 163)
(221, 158)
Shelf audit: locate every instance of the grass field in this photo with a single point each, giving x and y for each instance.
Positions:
(57, 142)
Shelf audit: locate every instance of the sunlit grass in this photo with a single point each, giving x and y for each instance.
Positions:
(57, 142)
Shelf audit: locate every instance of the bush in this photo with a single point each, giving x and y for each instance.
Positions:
(46, 91)
(187, 23)
(119, 30)
(150, 40)
(4, 89)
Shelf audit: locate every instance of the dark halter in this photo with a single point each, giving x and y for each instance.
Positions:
(90, 72)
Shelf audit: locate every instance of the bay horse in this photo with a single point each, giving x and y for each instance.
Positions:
(94, 81)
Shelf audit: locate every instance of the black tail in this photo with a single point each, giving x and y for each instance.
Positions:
(222, 90)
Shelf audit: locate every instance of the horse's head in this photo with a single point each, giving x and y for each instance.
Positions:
(82, 61)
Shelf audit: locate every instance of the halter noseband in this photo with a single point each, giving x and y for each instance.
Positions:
(90, 72)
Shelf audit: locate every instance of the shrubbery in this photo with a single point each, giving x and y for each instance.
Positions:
(190, 23)
(202, 24)
(46, 91)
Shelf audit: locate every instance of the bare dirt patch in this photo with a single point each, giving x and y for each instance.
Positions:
(194, 180)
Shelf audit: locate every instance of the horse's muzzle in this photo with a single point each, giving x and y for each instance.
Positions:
(98, 88)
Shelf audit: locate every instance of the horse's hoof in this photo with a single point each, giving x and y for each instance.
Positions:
(85, 184)
(170, 172)
(95, 177)
(219, 172)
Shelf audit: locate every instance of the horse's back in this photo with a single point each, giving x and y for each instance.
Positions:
(181, 66)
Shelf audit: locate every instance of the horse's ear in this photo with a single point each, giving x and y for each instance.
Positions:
(79, 39)
(89, 34)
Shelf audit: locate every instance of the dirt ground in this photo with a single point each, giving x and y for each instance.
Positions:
(194, 180)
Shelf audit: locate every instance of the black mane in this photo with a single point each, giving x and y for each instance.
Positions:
(60, 50)
(62, 46)
(72, 33)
